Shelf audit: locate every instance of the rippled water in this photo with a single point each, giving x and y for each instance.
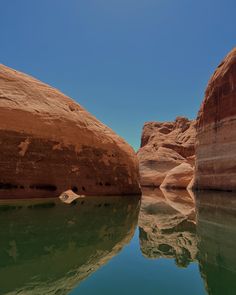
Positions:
(170, 242)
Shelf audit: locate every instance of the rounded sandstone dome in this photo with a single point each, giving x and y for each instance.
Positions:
(49, 144)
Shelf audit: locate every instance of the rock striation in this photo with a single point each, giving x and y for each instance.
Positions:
(164, 147)
(50, 144)
(216, 130)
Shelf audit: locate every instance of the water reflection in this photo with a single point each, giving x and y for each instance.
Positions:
(216, 232)
(167, 226)
(187, 228)
(48, 248)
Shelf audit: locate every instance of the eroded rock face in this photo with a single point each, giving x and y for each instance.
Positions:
(216, 130)
(178, 177)
(49, 144)
(165, 146)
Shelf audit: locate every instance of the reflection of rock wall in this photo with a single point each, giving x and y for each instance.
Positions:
(167, 225)
(49, 248)
(168, 229)
(216, 232)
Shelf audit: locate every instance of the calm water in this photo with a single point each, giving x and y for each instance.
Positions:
(166, 244)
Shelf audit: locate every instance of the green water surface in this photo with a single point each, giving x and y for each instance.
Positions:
(169, 242)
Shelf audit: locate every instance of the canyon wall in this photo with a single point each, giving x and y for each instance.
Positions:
(49, 144)
(166, 156)
(216, 130)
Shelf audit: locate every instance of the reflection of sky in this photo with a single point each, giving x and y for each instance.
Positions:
(130, 273)
(126, 61)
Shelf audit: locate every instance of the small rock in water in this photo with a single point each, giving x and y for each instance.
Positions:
(69, 196)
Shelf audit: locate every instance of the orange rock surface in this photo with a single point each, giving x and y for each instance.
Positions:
(49, 144)
(165, 146)
(179, 177)
(216, 130)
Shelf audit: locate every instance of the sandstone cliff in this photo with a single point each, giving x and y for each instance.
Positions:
(216, 130)
(49, 144)
(164, 146)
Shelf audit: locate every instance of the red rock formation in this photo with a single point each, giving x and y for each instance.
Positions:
(165, 146)
(178, 177)
(49, 144)
(216, 130)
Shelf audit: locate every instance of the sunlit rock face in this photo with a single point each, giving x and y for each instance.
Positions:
(48, 247)
(179, 177)
(216, 130)
(216, 231)
(164, 146)
(49, 144)
(167, 226)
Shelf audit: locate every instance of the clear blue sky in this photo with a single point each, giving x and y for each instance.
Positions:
(126, 61)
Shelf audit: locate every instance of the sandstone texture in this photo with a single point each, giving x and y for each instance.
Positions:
(178, 177)
(165, 146)
(50, 144)
(216, 130)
